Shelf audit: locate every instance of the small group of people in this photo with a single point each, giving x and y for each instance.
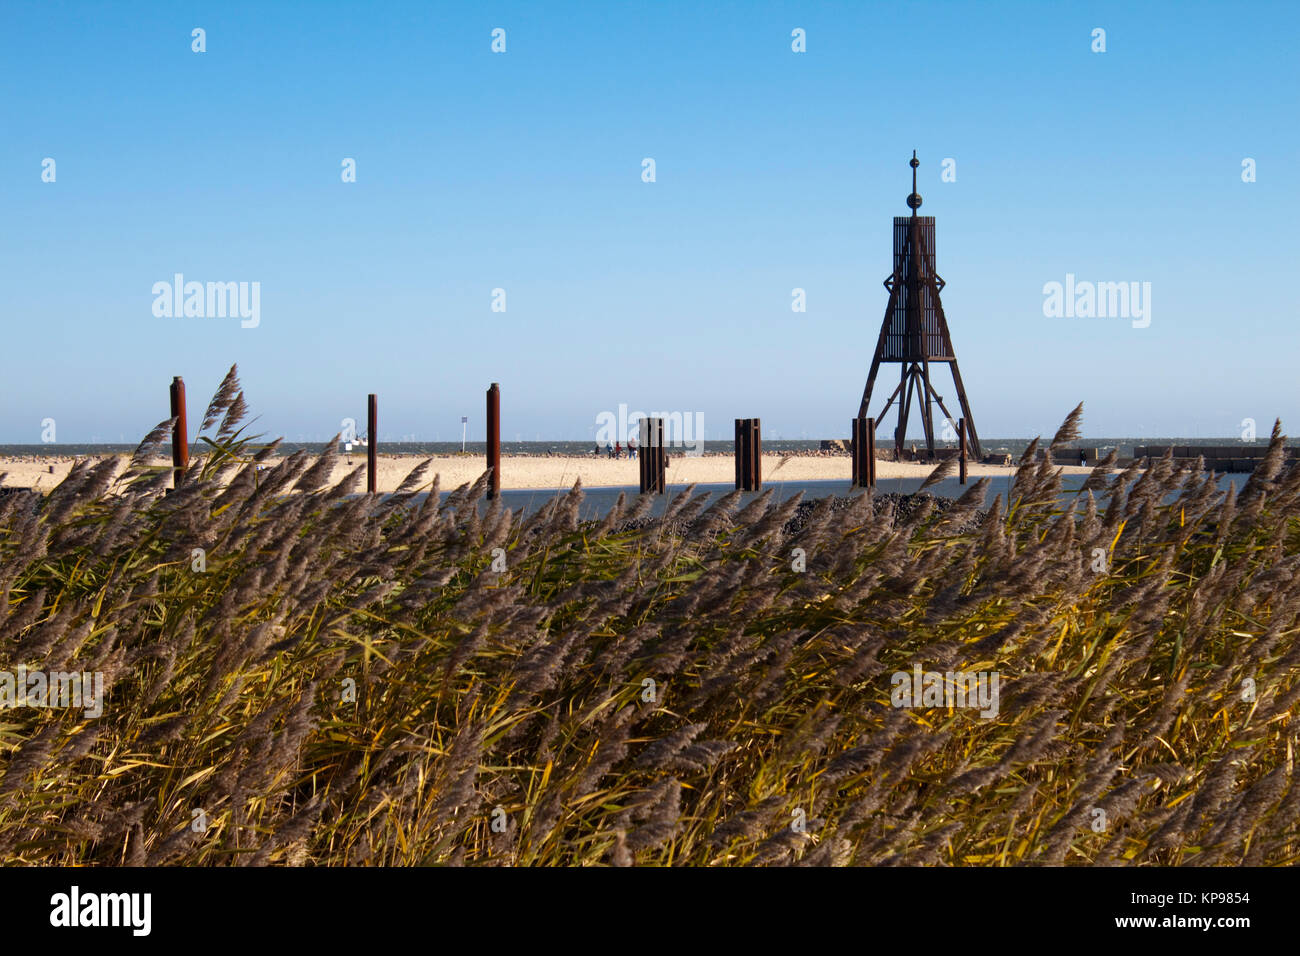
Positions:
(616, 450)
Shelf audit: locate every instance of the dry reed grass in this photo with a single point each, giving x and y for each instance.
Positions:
(507, 717)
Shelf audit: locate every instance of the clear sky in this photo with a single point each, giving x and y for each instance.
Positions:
(522, 171)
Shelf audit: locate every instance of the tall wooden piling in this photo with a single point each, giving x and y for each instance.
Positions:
(651, 456)
(372, 444)
(180, 433)
(494, 439)
(749, 454)
(961, 450)
(740, 452)
(862, 449)
(871, 452)
(856, 453)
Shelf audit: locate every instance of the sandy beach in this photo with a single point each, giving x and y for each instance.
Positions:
(547, 473)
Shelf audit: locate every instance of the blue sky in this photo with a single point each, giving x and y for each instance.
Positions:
(522, 171)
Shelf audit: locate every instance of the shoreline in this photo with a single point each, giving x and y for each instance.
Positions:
(543, 473)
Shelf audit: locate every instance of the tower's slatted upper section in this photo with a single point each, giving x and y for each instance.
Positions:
(927, 342)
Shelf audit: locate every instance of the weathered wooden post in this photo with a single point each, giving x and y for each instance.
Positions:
(740, 453)
(494, 439)
(651, 457)
(749, 454)
(862, 449)
(855, 454)
(961, 450)
(372, 444)
(658, 473)
(180, 433)
(871, 452)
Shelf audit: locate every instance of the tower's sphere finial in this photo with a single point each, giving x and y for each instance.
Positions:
(914, 201)
(913, 162)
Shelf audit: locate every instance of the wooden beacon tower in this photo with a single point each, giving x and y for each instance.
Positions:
(915, 333)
